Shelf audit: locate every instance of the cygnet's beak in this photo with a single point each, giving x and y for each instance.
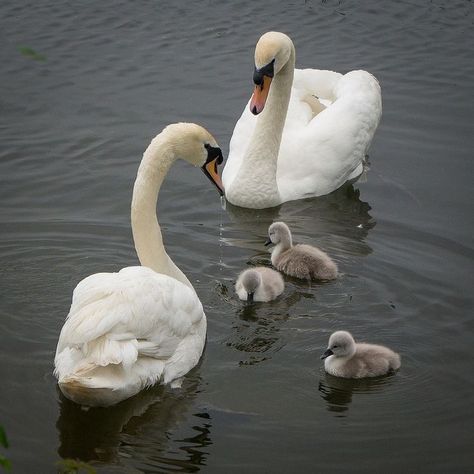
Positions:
(328, 353)
(214, 158)
(268, 242)
(250, 297)
(262, 79)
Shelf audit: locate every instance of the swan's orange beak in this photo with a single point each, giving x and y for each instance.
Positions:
(214, 158)
(259, 96)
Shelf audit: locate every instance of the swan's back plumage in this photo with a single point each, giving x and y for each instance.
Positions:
(126, 331)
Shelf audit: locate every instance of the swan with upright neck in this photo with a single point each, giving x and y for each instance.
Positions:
(304, 133)
(145, 324)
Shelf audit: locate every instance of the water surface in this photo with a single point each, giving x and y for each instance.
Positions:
(74, 125)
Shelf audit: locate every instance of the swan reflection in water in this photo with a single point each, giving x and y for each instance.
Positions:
(139, 429)
(338, 223)
(338, 392)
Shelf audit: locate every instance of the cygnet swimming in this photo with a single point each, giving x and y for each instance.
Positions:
(346, 358)
(300, 261)
(259, 284)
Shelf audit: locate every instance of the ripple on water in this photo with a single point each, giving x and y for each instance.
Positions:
(74, 129)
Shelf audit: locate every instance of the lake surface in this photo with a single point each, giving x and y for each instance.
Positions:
(86, 85)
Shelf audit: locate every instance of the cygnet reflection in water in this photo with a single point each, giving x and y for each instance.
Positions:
(338, 392)
(257, 328)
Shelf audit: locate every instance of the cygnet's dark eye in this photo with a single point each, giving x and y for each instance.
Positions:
(335, 346)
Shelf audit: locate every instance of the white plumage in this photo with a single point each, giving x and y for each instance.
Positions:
(128, 330)
(311, 136)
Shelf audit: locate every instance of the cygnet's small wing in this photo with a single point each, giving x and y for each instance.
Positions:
(376, 360)
(307, 262)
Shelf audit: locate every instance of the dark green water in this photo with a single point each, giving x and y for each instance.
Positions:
(73, 127)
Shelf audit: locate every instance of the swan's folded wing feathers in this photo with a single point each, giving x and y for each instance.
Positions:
(321, 83)
(136, 302)
(332, 145)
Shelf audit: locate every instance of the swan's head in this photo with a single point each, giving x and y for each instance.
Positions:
(197, 146)
(271, 53)
(279, 232)
(341, 344)
(251, 280)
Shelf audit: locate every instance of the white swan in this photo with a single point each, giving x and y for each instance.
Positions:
(299, 146)
(145, 324)
(301, 260)
(259, 284)
(345, 358)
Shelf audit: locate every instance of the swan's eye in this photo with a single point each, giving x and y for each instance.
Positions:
(213, 153)
(267, 70)
(335, 347)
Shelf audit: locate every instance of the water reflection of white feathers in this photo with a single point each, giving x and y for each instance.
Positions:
(338, 223)
(146, 426)
(256, 327)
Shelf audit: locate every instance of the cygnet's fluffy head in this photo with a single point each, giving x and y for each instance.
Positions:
(273, 46)
(279, 232)
(341, 344)
(196, 145)
(251, 281)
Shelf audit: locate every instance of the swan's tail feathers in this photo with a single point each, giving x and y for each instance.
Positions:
(104, 351)
(105, 371)
(101, 352)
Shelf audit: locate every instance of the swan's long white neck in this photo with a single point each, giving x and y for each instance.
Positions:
(256, 178)
(154, 166)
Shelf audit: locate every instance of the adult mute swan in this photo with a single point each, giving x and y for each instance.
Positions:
(145, 324)
(311, 134)
(346, 358)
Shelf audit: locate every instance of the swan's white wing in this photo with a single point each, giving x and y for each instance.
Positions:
(320, 83)
(128, 317)
(318, 156)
